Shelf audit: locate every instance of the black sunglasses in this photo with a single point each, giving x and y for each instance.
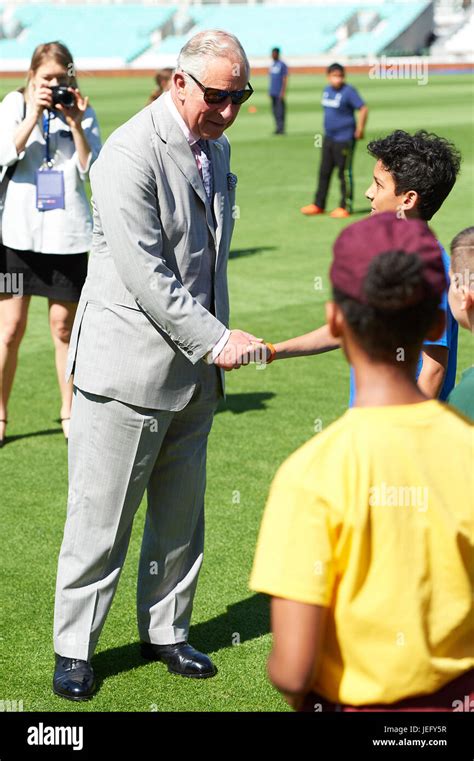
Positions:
(212, 95)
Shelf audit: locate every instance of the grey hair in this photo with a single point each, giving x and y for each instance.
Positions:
(211, 43)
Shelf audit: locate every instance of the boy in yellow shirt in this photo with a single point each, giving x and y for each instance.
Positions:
(366, 544)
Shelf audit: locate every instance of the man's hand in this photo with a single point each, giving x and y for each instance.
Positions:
(237, 350)
(259, 353)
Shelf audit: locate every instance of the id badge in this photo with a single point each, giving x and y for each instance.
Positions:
(49, 189)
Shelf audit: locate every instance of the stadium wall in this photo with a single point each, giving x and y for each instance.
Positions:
(418, 34)
(445, 66)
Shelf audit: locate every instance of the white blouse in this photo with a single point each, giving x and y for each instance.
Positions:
(24, 227)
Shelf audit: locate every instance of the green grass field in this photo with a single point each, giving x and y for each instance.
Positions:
(276, 256)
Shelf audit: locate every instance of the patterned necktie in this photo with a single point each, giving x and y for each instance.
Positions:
(203, 160)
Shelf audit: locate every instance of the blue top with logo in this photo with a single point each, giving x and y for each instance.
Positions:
(448, 339)
(339, 106)
(278, 70)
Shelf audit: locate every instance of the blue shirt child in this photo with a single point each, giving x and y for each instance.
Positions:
(339, 106)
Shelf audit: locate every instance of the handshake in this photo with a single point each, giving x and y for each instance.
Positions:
(243, 348)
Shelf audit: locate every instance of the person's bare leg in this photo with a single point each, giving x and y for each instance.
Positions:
(61, 319)
(13, 319)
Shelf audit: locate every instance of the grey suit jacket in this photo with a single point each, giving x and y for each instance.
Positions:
(155, 300)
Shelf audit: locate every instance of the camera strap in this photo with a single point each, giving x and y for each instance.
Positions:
(49, 182)
(46, 120)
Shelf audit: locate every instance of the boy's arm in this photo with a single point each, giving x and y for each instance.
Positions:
(298, 635)
(316, 342)
(361, 122)
(283, 86)
(431, 377)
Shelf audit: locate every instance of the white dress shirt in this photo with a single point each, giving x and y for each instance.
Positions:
(24, 227)
(192, 139)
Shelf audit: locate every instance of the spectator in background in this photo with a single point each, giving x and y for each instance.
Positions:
(46, 236)
(163, 83)
(461, 301)
(339, 101)
(278, 80)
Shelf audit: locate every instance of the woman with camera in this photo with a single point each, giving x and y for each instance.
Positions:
(49, 138)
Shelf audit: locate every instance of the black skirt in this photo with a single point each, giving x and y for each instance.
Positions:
(56, 276)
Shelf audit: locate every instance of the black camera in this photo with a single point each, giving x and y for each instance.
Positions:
(61, 95)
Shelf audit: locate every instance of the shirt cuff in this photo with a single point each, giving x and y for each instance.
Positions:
(212, 355)
(10, 155)
(83, 172)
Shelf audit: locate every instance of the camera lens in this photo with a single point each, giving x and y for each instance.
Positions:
(61, 95)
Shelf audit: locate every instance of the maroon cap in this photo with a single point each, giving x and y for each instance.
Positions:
(363, 241)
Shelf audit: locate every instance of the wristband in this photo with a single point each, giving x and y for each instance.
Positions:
(272, 350)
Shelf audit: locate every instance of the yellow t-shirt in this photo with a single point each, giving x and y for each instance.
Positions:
(373, 518)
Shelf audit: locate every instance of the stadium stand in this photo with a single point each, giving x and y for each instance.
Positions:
(116, 35)
(111, 34)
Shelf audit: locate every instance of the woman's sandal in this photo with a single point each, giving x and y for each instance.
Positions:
(2, 440)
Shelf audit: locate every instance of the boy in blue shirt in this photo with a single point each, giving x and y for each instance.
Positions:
(339, 101)
(413, 175)
(278, 73)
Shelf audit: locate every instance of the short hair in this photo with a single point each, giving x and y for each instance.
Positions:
(335, 67)
(422, 162)
(212, 43)
(462, 253)
(276, 50)
(391, 320)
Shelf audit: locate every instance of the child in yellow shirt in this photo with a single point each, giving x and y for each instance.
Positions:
(366, 544)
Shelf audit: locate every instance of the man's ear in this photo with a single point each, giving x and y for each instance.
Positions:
(438, 327)
(334, 318)
(179, 81)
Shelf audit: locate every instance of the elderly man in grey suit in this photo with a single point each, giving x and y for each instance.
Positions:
(149, 346)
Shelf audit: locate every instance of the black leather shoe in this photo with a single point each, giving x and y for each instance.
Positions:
(181, 658)
(73, 678)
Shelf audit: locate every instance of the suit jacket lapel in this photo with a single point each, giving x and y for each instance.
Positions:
(180, 152)
(220, 188)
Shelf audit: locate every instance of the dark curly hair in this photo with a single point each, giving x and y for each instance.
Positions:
(423, 162)
(399, 311)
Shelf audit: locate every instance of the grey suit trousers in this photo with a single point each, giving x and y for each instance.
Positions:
(106, 486)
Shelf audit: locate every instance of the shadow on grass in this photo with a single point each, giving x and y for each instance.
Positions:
(47, 432)
(243, 621)
(238, 403)
(236, 253)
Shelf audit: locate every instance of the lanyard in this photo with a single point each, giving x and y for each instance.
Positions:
(46, 120)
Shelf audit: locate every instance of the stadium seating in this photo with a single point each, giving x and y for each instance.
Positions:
(394, 19)
(303, 30)
(113, 35)
(461, 41)
(91, 31)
